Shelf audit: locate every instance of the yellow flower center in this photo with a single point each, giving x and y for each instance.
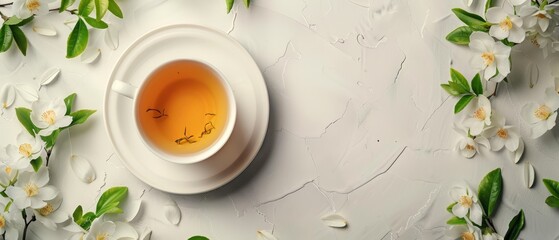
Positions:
(2, 221)
(470, 147)
(503, 133)
(506, 24)
(465, 201)
(541, 16)
(8, 170)
(488, 58)
(49, 117)
(33, 5)
(31, 189)
(46, 210)
(534, 41)
(468, 236)
(543, 112)
(25, 149)
(479, 114)
(102, 236)
(4, 105)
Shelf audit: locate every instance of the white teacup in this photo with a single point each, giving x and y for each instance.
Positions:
(127, 90)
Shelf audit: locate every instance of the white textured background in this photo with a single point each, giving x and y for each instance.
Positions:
(359, 124)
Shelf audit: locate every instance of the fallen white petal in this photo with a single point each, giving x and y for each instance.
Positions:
(44, 29)
(27, 92)
(534, 74)
(8, 96)
(49, 76)
(82, 169)
(334, 220)
(130, 209)
(89, 56)
(111, 38)
(124, 231)
(519, 151)
(529, 175)
(172, 213)
(146, 235)
(265, 235)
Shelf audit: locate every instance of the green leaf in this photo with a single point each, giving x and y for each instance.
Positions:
(456, 221)
(508, 43)
(21, 40)
(95, 23)
(86, 220)
(460, 36)
(101, 7)
(229, 5)
(458, 87)
(6, 38)
(488, 4)
(24, 117)
(86, 7)
(13, 20)
(490, 191)
(247, 3)
(515, 226)
(69, 102)
(462, 103)
(476, 85)
(51, 139)
(37, 163)
(25, 21)
(450, 90)
(110, 200)
(77, 41)
(79, 117)
(552, 201)
(552, 186)
(64, 4)
(77, 215)
(449, 208)
(458, 78)
(198, 238)
(475, 21)
(115, 9)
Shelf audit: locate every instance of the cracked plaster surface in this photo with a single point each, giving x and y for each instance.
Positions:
(359, 125)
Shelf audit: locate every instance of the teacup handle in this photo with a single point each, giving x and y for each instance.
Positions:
(124, 89)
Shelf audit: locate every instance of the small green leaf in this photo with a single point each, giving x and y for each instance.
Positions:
(462, 103)
(24, 117)
(508, 43)
(13, 20)
(552, 186)
(101, 7)
(460, 36)
(6, 38)
(458, 78)
(475, 21)
(552, 201)
(95, 23)
(20, 39)
(229, 5)
(515, 226)
(198, 238)
(450, 90)
(79, 117)
(86, 220)
(69, 102)
(456, 221)
(37, 163)
(51, 139)
(86, 7)
(458, 87)
(247, 3)
(115, 9)
(476, 85)
(449, 208)
(77, 41)
(110, 200)
(77, 215)
(25, 21)
(490, 191)
(64, 4)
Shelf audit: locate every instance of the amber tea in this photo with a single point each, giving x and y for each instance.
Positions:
(183, 107)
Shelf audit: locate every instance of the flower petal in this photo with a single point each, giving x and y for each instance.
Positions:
(48, 193)
(172, 213)
(111, 38)
(456, 192)
(529, 175)
(334, 220)
(476, 214)
(459, 211)
(89, 56)
(124, 230)
(497, 143)
(517, 35)
(49, 76)
(498, 32)
(27, 92)
(551, 121)
(527, 113)
(264, 235)
(495, 15)
(538, 129)
(44, 29)
(551, 98)
(146, 234)
(8, 95)
(82, 169)
(519, 151)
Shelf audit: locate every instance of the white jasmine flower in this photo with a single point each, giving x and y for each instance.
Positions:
(490, 56)
(505, 24)
(468, 146)
(467, 205)
(480, 115)
(31, 190)
(541, 117)
(15, 160)
(535, 17)
(464, 232)
(49, 216)
(26, 8)
(29, 147)
(49, 116)
(11, 222)
(543, 40)
(9, 168)
(108, 230)
(492, 236)
(501, 135)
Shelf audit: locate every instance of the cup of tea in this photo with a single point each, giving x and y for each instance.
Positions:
(184, 110)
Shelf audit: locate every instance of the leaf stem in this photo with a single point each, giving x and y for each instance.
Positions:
(6, 4)
(490, 223)
(73, 11)
(27, 226)
(494, 94)
(3, 16)
(49, 152)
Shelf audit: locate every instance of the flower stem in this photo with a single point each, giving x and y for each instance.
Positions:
(73, 11)
(494, 94)
(49, 152)
(6, 4)
(3, 16)
(27, 226)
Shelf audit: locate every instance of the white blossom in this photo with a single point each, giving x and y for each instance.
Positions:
(480, 115)
(49, 215)
(26, 8)
(31, 190)
(541, 117)
(49, 116)
(505, 25)
(467, 204)
(491, 57)
(501, 135)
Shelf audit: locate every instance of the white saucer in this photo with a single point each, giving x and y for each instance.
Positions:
(249, 88)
